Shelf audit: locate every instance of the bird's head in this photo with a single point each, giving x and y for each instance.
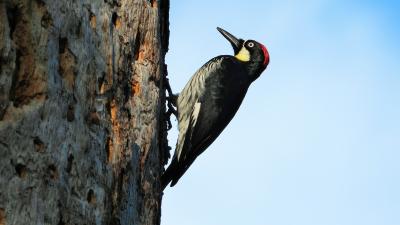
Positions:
(256, 54)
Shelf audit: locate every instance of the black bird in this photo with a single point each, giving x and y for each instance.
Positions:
(211, 98)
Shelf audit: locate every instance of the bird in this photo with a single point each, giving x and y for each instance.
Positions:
(210, 99)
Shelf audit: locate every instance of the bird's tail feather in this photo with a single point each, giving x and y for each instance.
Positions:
(168, 175)
(173, 173)
(177, 168)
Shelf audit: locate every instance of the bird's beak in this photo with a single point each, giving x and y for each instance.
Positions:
(236, 43)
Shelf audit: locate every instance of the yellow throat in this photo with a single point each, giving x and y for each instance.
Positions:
(243, 55)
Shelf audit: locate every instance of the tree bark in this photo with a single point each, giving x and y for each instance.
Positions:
(82, 131)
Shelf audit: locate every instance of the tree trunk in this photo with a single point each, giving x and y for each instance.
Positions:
(82, 131)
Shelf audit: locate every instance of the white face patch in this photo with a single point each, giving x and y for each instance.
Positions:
(243, 55)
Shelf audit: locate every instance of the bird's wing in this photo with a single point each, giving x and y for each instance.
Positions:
(205, 106)
(214, 107)
(187, 99)
(185, 135)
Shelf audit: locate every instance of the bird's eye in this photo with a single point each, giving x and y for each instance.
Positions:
(250, 44)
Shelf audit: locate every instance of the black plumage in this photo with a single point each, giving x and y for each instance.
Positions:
(210, 100)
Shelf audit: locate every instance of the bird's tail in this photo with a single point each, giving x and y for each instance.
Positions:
(173, 173)
(177, 168)
(168, 175)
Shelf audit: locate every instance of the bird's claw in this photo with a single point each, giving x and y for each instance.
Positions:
(172, 99)
(171, 103)
(170, 111)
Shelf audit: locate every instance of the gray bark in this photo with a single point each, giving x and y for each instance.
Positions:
(82, 137)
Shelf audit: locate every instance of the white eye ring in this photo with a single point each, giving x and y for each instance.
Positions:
(250, 44)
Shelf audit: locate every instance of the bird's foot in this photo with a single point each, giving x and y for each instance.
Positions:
(170, 111)
(172, 98)
(171, 104)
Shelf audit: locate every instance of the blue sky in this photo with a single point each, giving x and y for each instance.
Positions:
(317, 138)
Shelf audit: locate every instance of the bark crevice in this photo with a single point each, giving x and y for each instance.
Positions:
(82, 132)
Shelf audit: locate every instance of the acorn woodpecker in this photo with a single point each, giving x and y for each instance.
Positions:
(211, 98)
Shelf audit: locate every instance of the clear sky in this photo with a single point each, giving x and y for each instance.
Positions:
(317, 138)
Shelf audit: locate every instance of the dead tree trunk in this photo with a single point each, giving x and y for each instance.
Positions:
(82, 137)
